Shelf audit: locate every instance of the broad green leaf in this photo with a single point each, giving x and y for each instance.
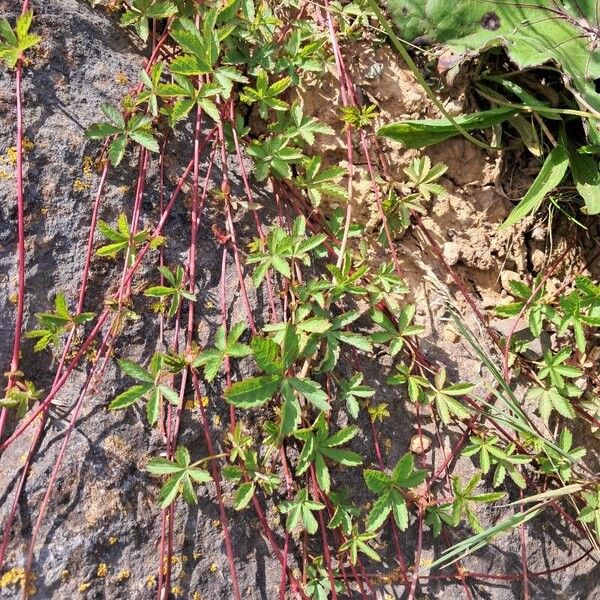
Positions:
(426, 132)
(533, 32)
(376, 481)
(551, 174)
(586, 176)
(100, 130)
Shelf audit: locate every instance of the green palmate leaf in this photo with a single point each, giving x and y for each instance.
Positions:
(183, 475)
(300, 511)
(554, 367)
(359, 542)
(253, 392)
(54, 325)
(13, 44)
(550, 399)
(390, 491)
(141, 11)
(319, 445)
(590, 513)
(150, 387)
(551, 174)
(19, 398)
(445, 398)
(138, 129)
(426, 132)
(226, 346)
(466, 500)
(351, 391)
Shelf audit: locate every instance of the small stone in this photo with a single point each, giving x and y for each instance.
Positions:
(373, 71)
(539, 233)
(450, 334)
(419, 444)
(451, 252)
(538, 259)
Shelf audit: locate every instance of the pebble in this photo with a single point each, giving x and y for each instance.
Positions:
(419, 444)
(450, 334)
(451, 252)
(506, 277)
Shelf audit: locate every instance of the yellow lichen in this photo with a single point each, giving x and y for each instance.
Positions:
(84, 587)
(177, 591)
(150, 581)
(196, 596)
(213, 568)
(196, 402)
(65, 574)
(102, 570)
(216, 420)
(112, 540)
(16, 576)
(124, 575)
(88, 166)
(10, 154)
(387, 444)
(197, 554)
(79, 185)
(13, 577)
